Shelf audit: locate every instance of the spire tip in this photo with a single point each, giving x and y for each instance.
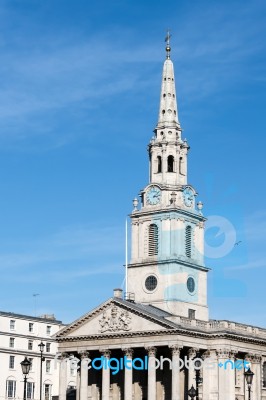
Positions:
(167, 40)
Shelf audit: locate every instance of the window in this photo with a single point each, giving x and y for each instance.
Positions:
(12, 324)
(11, 362)
(30, 345)
(181, 166)
(170, 164)
(264, 375)
(47, 391)
(191, 284)
(191, 314)
(11, 342)
(188, 241)
(10, 389)
(48, 347)
(151, 283)
(31, 326)
(153, 240)
(48, 329)
(159, 161)
(30, 390)
(31, 363)
(48, 366)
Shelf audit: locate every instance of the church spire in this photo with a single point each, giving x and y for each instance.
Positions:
(168, 115)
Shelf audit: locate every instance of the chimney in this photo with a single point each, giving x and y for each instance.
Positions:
(118, 293)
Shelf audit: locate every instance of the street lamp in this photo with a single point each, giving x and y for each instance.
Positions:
(192, 392)
(25, 366)
(249, 378)
(197, 364)
(41, 347)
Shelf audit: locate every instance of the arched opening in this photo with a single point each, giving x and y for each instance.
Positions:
(188, 237)
(153, 240)
(264, 375)
(181, 166)
(170, 164)
(159, 163)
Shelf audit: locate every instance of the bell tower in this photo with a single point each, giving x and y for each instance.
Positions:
(167, 240)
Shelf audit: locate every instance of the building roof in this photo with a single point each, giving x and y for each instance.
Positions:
(51, 319)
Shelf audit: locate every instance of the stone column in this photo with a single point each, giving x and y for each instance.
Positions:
(151, 373)
(106, 377)
(255, 361)
(191, 372)
(175, 372)
(128, 382)
(63, 376)
(83, 391)
(226, 374)
(78, 385)
(210, 376)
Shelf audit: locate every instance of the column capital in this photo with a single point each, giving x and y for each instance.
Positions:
(175, 348)
(192, 352)
(128, 352)
(206, 354)
(223, 353)
(84, 354)
(63, 356)
(106, 353)
(151, 351)
(253, 358)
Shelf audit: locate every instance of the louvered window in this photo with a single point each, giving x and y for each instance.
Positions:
(188, 241)
(153, 240)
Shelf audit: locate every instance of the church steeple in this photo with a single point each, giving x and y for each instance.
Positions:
(167, 254)
(168, 113)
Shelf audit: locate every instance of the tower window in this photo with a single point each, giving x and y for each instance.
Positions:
(191, 285)
(170, 164)
(188, 235)
(191, 313)
(151, 283)
(153, 240)
(159, 160)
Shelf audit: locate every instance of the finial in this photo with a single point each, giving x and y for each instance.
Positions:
(167, 40)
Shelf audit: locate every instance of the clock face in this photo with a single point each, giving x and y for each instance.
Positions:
(153, 196)
(188, 197)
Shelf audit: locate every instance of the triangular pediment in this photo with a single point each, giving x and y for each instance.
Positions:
(114, 317)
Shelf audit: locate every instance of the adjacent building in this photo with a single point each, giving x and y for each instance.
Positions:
(20, 336)
(164, 313)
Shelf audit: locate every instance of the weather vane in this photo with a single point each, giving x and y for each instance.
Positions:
(167, 40)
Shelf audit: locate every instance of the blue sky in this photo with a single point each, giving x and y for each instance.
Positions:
(79, 97)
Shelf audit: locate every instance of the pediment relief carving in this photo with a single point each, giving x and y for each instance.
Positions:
(115, 320)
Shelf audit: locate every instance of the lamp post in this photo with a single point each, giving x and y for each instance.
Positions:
(41, 347)
(197, 364)
(25, 366)
(192, 392)
(249, 378)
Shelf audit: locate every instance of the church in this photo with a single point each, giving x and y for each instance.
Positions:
(155, 341)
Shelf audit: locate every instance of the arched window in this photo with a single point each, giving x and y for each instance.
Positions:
(264, 375)
(181, 165)
(188, 235)
(153, 240)
(159, 160)
(170, 164)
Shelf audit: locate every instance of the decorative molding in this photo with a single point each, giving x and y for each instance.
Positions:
(118, 320)
(151, 350)
(175, 349)
(106, 353)
(192, 352)
(128, 352)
